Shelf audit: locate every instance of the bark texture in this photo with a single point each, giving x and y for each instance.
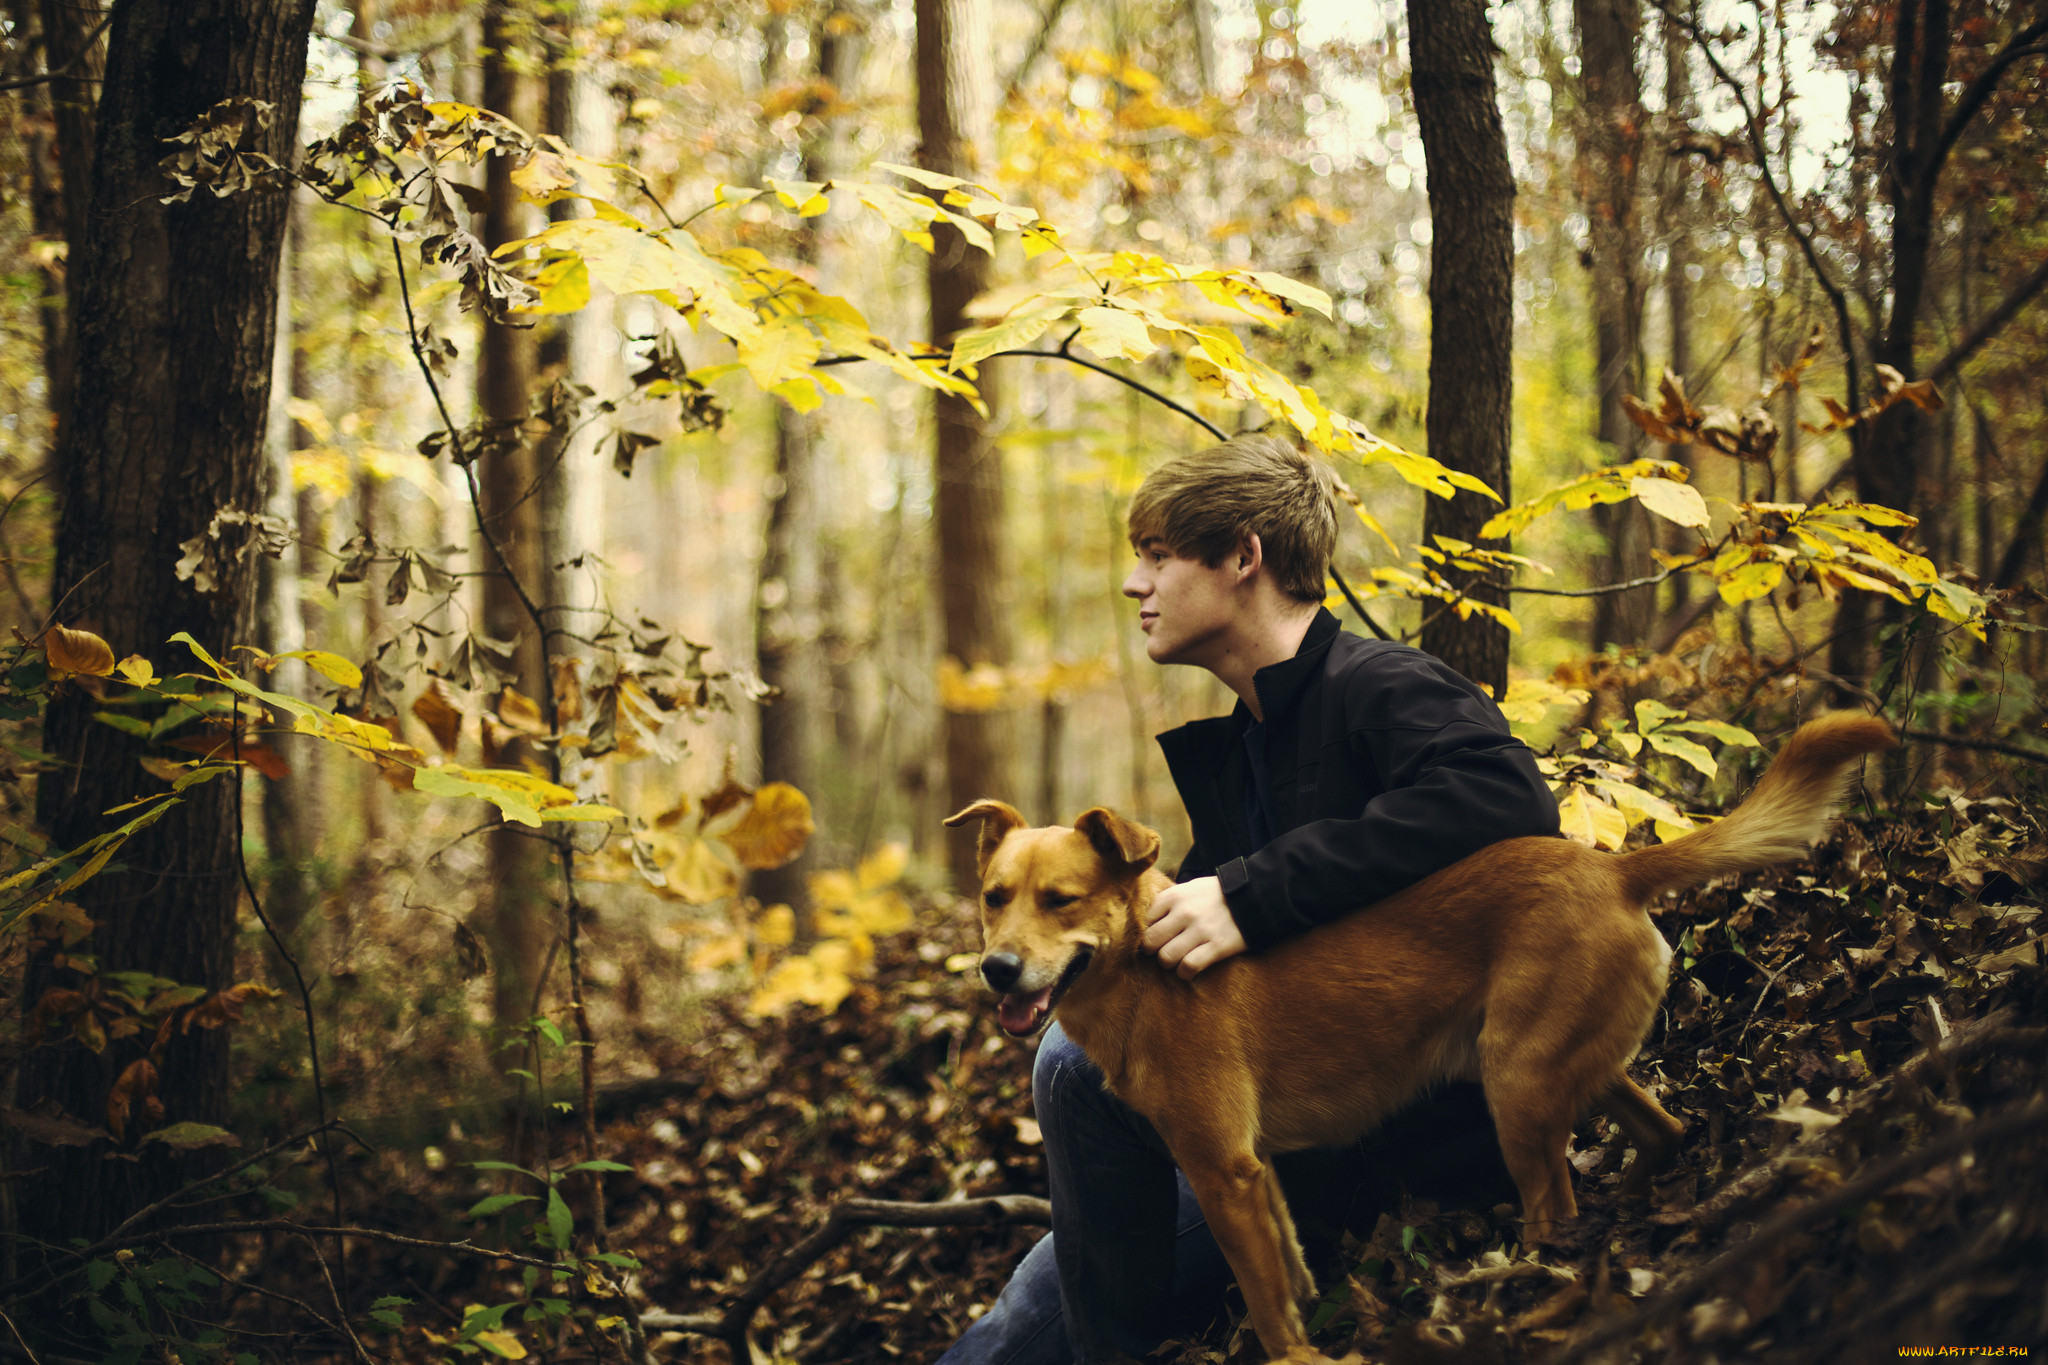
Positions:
(955, 87)
(1471, 307)
(1609, 156)
(176, 308)
(521, 869)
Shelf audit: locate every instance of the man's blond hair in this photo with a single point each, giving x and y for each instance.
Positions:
(1202, 505)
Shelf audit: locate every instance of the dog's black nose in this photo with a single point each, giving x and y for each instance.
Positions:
(1001, 970)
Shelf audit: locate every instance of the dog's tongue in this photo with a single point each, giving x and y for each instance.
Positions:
(1019, 1013)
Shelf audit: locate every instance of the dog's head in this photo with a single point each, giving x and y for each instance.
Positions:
(1050, 899)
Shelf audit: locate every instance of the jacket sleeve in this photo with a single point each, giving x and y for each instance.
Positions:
(1195, 864)
(1452, 778)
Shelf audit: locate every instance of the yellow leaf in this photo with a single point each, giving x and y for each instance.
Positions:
(1112, 333)
(774, 829)
(137, 670)
(832, 890)
(884, 912)
(1638, 805)
(1752, 581)
(520, 796)
(77, 651)
(330, 666)
(1689, 751)
(1019, 329)
(520, 712)
(699, 875)
(500, 1343)
(1671, 500)
(806, 198)
(776, 928)
(541, 176)
(1590, 821)
(781, 349)
(885, 865)
(564, 285)
(721, 951)
(588, 810)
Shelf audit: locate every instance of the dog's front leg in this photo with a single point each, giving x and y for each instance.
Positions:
(1237, 1193)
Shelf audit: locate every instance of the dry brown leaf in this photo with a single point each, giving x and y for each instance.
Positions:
(440, 710)
(77, 651)
(520, 712)
(135, 1085)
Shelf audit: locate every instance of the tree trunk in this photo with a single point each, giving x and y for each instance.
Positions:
(1678, 256)
(955, 86)
(789, 624)
(1888, 456)
(1610, 152)
(521, 870)
(176, 308)
(289, 886)
(1471, 278)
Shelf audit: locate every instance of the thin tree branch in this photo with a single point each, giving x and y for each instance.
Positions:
(141, 1216)
(1989, 746)
(305, 1002)
(1974, 94)
(731, 1325)
(1761, 152)
(1050, 21)
(1156, 396)
(1993, 323)
(59, 71)
(1601, 591)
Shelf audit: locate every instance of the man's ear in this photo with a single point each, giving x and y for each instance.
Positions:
(997, 820)
(1250, 555)
(1127, 847)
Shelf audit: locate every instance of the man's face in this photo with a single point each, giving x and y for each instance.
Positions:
(1185, 608)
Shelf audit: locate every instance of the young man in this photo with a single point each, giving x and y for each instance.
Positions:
(1349, 769)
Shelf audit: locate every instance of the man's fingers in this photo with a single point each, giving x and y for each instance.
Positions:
(1161, 906)
(1202, 955)
(1165, 929)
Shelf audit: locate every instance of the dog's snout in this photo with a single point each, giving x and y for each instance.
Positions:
(1001, 970)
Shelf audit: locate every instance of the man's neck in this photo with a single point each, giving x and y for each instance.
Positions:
(1264, 638)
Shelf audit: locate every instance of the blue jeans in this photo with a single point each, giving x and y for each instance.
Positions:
(1130, 1260)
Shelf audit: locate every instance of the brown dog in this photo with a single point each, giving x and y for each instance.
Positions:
(1530, 967)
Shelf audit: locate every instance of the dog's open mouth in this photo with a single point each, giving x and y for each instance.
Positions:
(1022, 1014)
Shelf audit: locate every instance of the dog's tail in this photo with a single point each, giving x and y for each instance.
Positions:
(1787, 812)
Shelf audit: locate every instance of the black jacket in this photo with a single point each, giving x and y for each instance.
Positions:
(1382, 766)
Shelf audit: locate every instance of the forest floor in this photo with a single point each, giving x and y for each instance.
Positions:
(1857, 1046)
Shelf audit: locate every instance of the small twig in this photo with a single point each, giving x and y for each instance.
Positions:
(1603, 590)
(244, 1164)
(731, 1325)
(1356, 605)
(305, 997)
(20, 1338)
(340, 1308)
(59, 71)
(1989, 746)
(1874, 1181)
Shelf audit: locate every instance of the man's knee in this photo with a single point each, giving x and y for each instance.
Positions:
(1059, 1071)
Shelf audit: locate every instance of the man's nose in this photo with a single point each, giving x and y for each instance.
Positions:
(1133, 587)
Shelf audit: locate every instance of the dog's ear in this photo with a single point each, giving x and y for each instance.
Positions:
(1126, 846)
(997, 820)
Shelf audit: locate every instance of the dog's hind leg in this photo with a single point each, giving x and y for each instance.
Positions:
(1653, 1131)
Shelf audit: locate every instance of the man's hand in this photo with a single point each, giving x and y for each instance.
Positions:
(1190, 927)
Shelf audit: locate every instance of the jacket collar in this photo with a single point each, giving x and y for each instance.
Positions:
(1279, 684)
